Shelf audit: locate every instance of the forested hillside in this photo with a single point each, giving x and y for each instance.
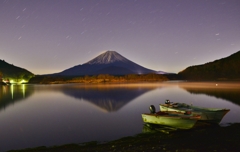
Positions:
(223, 69)
(14, 73)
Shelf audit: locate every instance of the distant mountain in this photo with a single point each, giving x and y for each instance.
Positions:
(160, 72)
(109, 62)
(11, 72)
(223, 69)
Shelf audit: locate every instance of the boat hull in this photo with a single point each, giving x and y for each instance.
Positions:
(173, 121)
(211, 115)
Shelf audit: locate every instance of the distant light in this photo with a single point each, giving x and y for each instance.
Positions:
(18, 82)
(23, 81)
(12, 81)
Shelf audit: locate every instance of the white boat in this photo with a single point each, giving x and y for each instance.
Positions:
(172, 119)
(212, 115)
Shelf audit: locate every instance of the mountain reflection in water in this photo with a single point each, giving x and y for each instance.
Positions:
(108, 98)
(51, 115)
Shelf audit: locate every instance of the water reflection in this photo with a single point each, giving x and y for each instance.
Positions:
(226, 91)
(108, 97)
(151, 128)
(9, 94)
(60, 114)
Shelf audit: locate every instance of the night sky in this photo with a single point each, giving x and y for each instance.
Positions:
(49, 36)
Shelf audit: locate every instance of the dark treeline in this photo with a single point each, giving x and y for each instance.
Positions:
(101, 78)
(11, 72)
(223, 69)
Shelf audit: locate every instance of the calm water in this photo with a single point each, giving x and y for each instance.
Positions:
(47, 115)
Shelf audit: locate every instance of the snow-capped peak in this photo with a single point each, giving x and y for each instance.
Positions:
(108, 57)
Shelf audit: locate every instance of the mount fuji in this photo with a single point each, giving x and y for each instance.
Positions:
(109, 62)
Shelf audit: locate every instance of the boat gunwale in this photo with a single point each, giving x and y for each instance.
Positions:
(195, 108)
(173, 114)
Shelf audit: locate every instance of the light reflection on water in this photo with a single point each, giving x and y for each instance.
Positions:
(37, 115)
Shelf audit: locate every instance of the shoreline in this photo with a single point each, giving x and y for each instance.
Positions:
(202, 138)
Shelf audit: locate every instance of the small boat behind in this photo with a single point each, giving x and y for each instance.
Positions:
(170, 118)
(211, 115)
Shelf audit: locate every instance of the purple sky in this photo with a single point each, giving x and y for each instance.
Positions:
(48, 36)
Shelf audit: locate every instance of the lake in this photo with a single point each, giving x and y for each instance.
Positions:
(48, 115)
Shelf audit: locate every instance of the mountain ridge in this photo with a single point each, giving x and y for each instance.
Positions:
(227, 68)
(14, 73)
(116, 63)
(108, 57)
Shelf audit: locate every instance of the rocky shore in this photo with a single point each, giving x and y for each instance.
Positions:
(204, 138)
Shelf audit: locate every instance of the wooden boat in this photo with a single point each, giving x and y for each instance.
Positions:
(211, 115)
(172, 119)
